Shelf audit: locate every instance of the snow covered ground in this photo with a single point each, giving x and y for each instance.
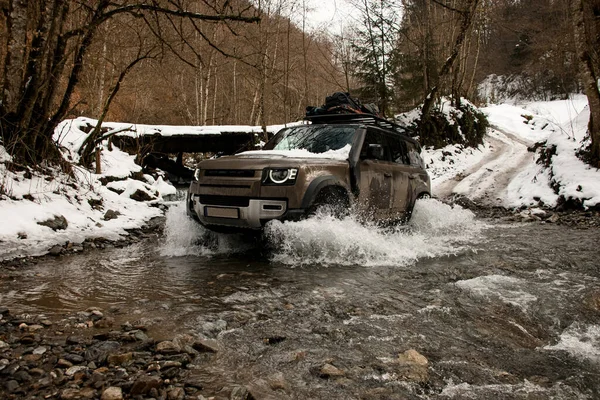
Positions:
(503, 172)
(499, 172)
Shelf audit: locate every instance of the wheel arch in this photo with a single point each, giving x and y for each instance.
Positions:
(320, 184)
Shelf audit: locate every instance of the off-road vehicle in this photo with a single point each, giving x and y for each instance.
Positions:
(344, 160)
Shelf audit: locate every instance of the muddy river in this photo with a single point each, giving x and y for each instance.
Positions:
(449, 306)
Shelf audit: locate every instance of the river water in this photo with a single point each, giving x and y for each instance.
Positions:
(500, 311)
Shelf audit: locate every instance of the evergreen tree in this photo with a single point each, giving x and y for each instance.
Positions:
(374, 46)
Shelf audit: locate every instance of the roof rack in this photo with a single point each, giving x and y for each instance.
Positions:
(368, 119)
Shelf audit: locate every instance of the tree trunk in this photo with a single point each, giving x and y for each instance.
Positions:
(467, 18)
(583, 19)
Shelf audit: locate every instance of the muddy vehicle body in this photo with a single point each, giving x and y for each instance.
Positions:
(340, 161)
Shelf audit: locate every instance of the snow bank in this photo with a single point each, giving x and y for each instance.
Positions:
(68, 129)
(562, 125)
(28, 197)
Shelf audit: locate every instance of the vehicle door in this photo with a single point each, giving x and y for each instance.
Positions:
(402, 171)
(376, 175)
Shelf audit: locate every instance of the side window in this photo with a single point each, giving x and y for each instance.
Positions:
(413, 155)
(398, 150)
(375, 137)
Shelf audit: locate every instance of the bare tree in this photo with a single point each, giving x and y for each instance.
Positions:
(586, 18)
(44, 58)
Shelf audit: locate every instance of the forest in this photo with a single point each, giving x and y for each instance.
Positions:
(216, 62)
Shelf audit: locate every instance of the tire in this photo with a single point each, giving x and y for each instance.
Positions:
(333, 201)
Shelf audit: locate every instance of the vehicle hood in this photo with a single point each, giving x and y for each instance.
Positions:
(266, 160)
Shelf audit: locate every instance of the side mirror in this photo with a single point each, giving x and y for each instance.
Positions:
(375, 151)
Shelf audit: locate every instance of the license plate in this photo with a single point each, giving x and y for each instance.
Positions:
(220, 212)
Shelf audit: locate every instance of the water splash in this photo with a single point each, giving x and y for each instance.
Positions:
(436, 229)
(185, 237)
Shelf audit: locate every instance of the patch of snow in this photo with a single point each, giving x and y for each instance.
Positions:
(340, 154)
(4, 156)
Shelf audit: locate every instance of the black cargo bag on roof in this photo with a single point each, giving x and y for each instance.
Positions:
(342, 100)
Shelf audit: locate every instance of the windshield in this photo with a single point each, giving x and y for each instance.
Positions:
(313, 138)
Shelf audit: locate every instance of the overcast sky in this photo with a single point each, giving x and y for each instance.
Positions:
(330, 14)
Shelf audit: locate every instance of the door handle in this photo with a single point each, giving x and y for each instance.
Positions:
(387, 174)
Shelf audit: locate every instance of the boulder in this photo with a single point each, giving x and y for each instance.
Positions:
(57, 223)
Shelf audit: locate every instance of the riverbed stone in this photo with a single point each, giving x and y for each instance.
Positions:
(104, 323)
(100, 351)
(74, 358)
(412, 366)
(112, 393)
(119, 359)
(11, 386)
(331, 371)
(206, 345)
(22, 376)
(4, 345)
(62, 363)
(176, 394)
(40, 350)
(75, 369)
(144, 383)
(167, 347)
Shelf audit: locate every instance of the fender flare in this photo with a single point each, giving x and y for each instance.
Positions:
(319, 184)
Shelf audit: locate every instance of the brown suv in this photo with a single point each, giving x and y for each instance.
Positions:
(338, 160)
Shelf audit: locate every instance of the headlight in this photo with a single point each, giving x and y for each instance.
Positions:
(279, 176)
(197, 174)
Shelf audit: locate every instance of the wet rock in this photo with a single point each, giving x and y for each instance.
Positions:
(111, 214)
(112, 393)
(62, 363)
(104, 323)
(22, 376)
(176, 394)
(206, 346)
(74, 358)
(119, 359)
(412, 366)
(76, 394)
(553, 218)
(57, 223)
(40, 350)
(167, 347)
(37, 372)
(99, 352)
(42, 383)
(11, 386)
(239, 393)
(4, 345)
(330, 371)
(28, 338)
(75, 369)
(144, 383)
(278, 382)
(195, 380)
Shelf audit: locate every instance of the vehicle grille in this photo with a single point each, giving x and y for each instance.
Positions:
(229, 201)
(230, 173)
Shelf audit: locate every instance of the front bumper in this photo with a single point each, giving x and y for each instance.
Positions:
(254, 216)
